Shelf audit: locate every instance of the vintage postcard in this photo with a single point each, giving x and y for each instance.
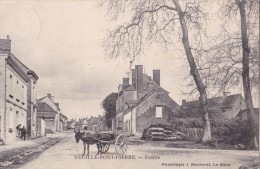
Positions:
(131, 84)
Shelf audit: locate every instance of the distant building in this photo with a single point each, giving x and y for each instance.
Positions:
(71, 124)
(50, 112)
(92, 123)
(63, 122)
(17, 94)
(142, 102)
(103, 124)
(226, 106)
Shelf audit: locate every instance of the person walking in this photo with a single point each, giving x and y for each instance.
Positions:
(23, 133)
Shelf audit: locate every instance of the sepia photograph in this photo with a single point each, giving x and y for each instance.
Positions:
(129, 84)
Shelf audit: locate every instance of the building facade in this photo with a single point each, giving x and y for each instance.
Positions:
(142, 102)
(15, 100)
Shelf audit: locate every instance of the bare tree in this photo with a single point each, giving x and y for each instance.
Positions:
(245, 67)
(234, 54)
(157, 21)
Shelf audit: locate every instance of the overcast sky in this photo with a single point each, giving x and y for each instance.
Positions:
(62, 42)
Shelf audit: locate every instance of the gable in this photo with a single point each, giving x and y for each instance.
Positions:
(157, 98)
(48, 101)
(229, 101)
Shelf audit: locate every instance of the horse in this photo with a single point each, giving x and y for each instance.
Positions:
(88, 139)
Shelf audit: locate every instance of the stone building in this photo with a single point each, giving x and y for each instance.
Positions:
(142, 102)
(17, 94)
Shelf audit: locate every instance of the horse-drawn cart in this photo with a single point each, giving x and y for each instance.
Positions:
(103, 140)
(120, 141)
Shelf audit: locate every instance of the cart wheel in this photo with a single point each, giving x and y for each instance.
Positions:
(105, 147)
(121, 144)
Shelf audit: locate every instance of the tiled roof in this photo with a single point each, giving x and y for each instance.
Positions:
(229, 101)
(147, 95)
(44, 107)
(148, 84)
(214, 104)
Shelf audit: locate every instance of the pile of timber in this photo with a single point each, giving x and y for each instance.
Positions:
(163, 132)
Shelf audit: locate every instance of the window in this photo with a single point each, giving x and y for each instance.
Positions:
(22, 94)
(11, 118)
(10, 87)
(158, 112)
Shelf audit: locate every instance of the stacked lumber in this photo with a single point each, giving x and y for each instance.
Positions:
(157, 133)
(161, 132)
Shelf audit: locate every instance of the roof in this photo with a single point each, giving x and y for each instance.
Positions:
(256, 110)
(55, 103)
(24, 68)
(69, 123)
(214, 104)
(63, 116)
(44, 107)
(229, 100)
(41, 98)
(18, 69)
(147, 95)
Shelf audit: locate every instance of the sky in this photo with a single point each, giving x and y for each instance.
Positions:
(62, 42)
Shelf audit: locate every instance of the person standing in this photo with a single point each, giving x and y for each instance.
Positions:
(23, 133)
(18, 130)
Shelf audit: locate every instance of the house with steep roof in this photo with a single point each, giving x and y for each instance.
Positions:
(142, 102)
(226, 106)
(49, 110)
(17, 94)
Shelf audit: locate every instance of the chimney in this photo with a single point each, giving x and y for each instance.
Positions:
(49, 95)
(156, 76)
(226, 94)
(125, 83)
(183, 101)
(134, 77)
(5, 45)
(139, 78)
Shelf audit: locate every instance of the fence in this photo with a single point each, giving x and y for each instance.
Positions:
(193, 133)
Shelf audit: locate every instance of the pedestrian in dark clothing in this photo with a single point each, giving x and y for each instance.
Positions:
(23, 133)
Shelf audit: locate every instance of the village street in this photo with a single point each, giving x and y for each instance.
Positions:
(67, 153)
